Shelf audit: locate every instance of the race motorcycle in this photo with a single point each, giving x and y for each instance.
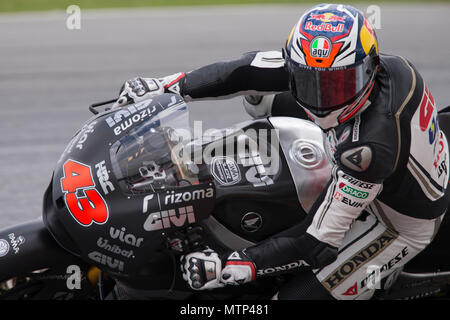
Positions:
(138, 187)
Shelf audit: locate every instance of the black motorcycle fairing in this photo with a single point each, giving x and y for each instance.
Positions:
(54, 225)
(29, 247)
(98, 209)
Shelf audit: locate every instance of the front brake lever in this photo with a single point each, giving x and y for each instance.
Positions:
(93, 106)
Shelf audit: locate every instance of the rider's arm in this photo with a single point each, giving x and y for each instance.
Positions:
(256, 73)
(259, 72)
(317, 239)
(314, 242)
(356, 180)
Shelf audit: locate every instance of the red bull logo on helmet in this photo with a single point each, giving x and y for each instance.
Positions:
(324, 27)
(328, 22)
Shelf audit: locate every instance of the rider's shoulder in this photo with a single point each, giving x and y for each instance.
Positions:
(399, 79)
(370, 150)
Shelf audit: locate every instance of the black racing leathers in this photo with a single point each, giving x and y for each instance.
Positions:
(393, 152)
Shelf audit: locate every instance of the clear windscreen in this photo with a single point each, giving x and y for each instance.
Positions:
(150, 157)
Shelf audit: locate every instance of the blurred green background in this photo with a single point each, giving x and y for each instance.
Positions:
(40, 5)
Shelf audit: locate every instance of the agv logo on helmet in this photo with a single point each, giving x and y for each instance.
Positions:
(320, 47)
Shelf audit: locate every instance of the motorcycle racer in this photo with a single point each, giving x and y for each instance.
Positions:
(387, 194)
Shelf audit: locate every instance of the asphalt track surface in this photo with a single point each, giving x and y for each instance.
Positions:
(49, 74)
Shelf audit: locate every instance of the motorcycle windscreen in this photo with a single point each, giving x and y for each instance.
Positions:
(152, 156)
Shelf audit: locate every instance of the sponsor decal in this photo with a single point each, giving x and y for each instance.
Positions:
(145, 203)
(338, 196)
(79, 139)
(320, 47)
(349, 202)
(251, 222)
(357, 182)
(127, 238)
(345, 135)
(126, 117)
(169, 218)
(387, 266)
(356, 125)
(440, 163)
(326, 17)
(179, 197)
(327, 27)
(432, 131)
(4, 247)
(172, 83)
(286, 267)
(106, 260)
(331, 143)
(442, 167)
(84, 133)
(352, 264)
(355, 204)
(352, 291)
(104, 244)
(357, 159)
(426, 109)
(225, 171)
(353, 192)
(103, 178)
(16, 242)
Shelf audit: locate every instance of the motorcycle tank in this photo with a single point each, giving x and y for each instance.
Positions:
(119, 186)
(267, 175)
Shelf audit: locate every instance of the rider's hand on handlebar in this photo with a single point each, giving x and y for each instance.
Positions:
(139, 89)
(202, 270)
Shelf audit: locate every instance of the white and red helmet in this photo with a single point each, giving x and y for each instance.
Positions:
(332, 58)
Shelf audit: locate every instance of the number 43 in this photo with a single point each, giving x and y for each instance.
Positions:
(90, 207)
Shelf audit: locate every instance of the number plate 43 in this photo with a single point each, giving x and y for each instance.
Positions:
(83, 201)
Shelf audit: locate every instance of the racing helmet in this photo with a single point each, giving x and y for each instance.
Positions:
(332, 58)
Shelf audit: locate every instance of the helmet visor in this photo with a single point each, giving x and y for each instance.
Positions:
(323, 90)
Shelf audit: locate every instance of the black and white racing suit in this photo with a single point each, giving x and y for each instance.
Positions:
(390, 161)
